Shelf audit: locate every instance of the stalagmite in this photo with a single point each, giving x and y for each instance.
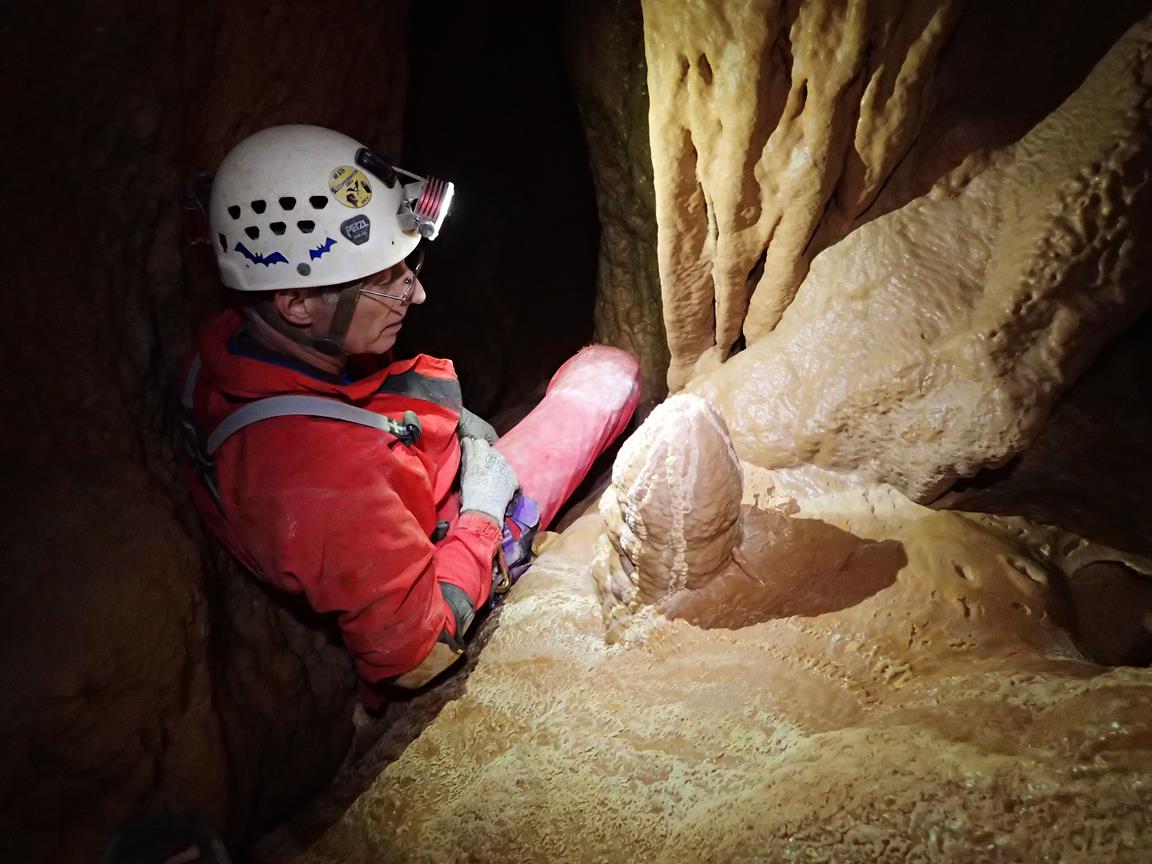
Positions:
(673, 509)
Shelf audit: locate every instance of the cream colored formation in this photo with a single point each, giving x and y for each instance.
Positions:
(672, 510)
(933, 342)
(773, 126)
(880, 682)
(759, 648)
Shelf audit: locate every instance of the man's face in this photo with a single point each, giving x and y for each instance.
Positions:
(377, 320)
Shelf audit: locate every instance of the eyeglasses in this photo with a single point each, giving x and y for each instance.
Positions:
(414, 262)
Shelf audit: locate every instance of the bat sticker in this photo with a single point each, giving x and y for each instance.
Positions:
(266, 260)
(319, 251)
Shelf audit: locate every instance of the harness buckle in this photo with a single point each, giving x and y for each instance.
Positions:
(501, 578)
(408, 430)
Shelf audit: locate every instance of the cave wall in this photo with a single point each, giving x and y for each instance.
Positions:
(777, 128)
(605, 51)
(922, 347)
(135, 666)
(934, 341)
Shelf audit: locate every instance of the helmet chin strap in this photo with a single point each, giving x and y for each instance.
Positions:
(331, 345)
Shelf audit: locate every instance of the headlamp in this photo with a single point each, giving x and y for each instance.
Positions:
(423, 204)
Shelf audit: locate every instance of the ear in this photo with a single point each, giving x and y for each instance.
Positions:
(292, 305)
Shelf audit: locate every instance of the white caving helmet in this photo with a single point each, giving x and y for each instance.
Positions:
(303, 206)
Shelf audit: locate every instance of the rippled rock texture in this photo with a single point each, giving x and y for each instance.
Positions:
(760, 113)
(885, 682)
(934, 341)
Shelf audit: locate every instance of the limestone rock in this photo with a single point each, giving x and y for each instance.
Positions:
(934, 341)
(941, 707)
(673, 508)
(606, 57)
(760, 112)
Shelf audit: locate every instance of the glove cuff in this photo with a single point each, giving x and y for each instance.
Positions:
(486, 511)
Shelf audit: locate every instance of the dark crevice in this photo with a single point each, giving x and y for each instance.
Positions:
(704, 68)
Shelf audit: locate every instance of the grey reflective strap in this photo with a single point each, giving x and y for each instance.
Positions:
(190, 383)
(442, 391)
(309, 406)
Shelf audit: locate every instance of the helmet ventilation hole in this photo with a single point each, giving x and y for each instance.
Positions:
(252, 231)
(318, 202)
(234, 211)
(306, 227)
(223, 242)
(287, 202)
(277, 228)
(258, 207)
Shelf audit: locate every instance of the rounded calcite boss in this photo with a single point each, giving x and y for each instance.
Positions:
(673, 509)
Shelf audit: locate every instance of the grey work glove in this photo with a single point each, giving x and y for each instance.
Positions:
(487, 481)
(474, 426)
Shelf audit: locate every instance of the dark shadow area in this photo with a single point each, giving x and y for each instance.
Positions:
(1112, 606)
(1090, 471)
(379, 741)
(1007, 66)
(511, 281)
(790, 567)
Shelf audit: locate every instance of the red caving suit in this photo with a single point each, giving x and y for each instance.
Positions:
(344, 513)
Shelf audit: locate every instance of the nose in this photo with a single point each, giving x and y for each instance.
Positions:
(418, 295)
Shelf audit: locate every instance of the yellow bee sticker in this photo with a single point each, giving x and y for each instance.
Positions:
(350, 186)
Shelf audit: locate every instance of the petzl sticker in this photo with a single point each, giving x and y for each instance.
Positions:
(350, 186)
(356, 229)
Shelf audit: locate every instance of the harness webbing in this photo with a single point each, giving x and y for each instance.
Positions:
(199, 450)
(407, 430)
